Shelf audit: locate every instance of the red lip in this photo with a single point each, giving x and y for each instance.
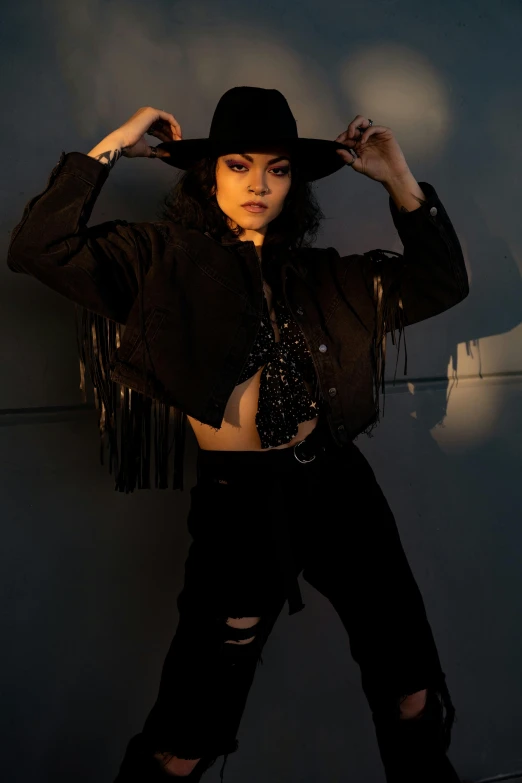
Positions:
(254, 204)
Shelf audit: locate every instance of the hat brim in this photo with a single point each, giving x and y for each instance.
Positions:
(317, 157)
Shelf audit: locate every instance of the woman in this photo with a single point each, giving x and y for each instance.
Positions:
(274, 352)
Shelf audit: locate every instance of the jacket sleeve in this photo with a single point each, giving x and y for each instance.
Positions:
(96, 267)
(394, 292)
(429, 277)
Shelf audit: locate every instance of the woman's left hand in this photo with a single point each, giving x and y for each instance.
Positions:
(378, 153)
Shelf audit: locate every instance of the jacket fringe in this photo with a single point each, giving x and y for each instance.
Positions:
(124, 415)
(389, 316)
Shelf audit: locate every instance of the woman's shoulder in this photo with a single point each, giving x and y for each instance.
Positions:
(174, 234)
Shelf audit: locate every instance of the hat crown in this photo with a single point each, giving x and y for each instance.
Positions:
(253, 112)
(255, 118)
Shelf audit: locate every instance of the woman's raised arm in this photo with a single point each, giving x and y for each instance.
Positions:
(95, 267)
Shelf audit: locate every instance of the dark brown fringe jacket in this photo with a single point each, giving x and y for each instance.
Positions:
(191, 305)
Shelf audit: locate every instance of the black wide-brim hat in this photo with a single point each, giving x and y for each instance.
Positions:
(247, 119)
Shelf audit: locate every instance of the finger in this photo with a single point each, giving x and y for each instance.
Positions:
(356, 124)
(172, 121)
(343, 138)
(348, 157)
(162, 124)
(158, 134)
(171, 131)
(370, 131)
(354, 131)
(164, 131)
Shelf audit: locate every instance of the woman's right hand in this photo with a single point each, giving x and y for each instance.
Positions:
(155, 122)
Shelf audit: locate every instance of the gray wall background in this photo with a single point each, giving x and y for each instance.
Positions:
(90, 576)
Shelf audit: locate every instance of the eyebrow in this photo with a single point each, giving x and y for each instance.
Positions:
(274, 160)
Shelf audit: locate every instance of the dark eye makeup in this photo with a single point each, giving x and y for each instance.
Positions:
(284, 169)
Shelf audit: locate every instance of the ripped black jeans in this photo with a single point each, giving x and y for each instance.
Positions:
(257, 520)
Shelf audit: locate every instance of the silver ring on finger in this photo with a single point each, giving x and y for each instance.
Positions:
(361, 130)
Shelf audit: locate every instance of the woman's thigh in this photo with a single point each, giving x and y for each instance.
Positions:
(212, 659)
(231, 567)
(359, 564)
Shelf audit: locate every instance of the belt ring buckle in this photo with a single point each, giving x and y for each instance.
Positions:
(302, 461)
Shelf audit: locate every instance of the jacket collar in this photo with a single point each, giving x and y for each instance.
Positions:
(230, 239)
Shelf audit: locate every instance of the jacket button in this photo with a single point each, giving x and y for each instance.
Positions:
(332, 392)
(323, 348)
(433, 211)
(300, 311)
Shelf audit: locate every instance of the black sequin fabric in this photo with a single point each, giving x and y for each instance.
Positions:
(284, 400)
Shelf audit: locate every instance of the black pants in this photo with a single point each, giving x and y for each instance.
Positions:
(259, 519)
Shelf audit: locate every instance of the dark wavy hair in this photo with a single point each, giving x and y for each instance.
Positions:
(191, 203)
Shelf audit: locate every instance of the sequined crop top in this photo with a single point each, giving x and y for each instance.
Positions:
(284, 400)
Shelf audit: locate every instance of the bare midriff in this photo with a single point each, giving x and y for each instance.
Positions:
(238, 431)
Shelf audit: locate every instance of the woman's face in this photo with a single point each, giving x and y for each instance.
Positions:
(253, 176)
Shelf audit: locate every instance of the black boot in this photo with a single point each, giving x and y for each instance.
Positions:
(139, 764)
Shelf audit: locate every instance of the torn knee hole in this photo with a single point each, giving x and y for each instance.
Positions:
(411, 706)
(241, 629)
